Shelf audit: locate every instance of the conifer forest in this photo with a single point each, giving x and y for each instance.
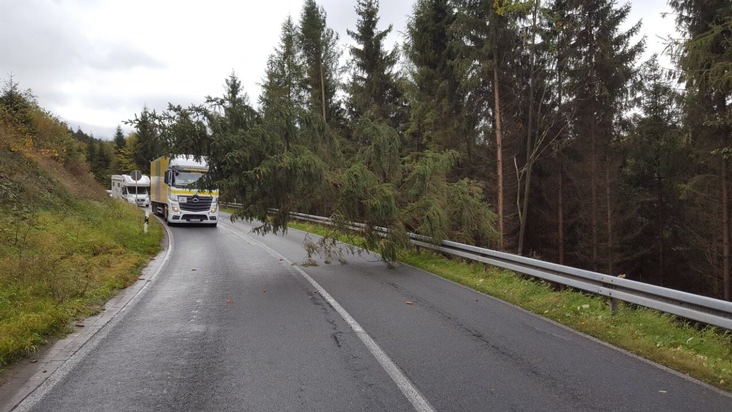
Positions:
(531, 127)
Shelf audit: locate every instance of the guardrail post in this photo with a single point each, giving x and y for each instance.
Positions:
(613, 306)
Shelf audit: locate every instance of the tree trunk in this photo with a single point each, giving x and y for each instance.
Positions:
(608, 204)
(322, 90)
(524, 210)
(560, 212)
(499, 154)
(661, 224)
(593, 200)
(725, 231)
(560, 159)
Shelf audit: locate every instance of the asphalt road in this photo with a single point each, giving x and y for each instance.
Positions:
(233, 321)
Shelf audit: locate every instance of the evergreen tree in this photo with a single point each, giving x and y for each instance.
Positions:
(550, 234)
(91, 153)
(704, 57)
(231, 113)
(374, 88)
(319, 47)
(284, 96)
(149, 144)
(220, 125)
(600, 72)
(656, 164)
(81, 136)
(99, 158)
(434, 96)
(119, 138)
(434, 207)
(125, 156)
(247, 160)
(17, 103)
(488, 49)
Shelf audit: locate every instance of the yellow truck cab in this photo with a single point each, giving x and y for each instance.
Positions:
(174, 193)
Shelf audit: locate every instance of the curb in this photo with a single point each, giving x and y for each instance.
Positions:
(26, 376)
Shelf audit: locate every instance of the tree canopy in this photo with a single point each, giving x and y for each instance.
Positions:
(530, 126)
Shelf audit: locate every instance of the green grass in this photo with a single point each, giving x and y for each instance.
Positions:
(64, 264)
(702, 353)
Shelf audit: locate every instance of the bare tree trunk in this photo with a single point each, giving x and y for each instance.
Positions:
(560, 158)
(499, 155)
(322, 90)
(560, 212)
(608, 200)
(593, 201)
(725, 231)
(524, 210)
(661, 241)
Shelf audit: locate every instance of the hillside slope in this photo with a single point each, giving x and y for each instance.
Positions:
(68, 247)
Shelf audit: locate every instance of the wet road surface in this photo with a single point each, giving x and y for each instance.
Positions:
(234, 321)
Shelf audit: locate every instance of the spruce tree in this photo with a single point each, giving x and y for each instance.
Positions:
(119, 138)
(373, 89)
(434, 91)
(600, 72)
(656, 164)
(488, 50)
(149, 143)
(283, 98)
(319, 47)
(704, 56)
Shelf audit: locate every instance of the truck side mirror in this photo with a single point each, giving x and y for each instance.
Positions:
(168, 175)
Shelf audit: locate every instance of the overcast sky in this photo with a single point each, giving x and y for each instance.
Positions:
(95, 63)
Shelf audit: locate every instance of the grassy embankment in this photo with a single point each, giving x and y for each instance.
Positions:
(703, 353)
(67, 248)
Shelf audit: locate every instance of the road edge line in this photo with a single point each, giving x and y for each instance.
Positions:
(418, 401)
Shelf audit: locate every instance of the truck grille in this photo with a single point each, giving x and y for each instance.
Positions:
(196, 203)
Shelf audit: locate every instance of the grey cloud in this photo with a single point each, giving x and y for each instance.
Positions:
(44, 45)
(120, 57)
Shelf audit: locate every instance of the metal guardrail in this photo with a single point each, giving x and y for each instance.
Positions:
(700, 308)
(704, 309)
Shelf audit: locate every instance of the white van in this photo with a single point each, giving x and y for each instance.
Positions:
(130, 190)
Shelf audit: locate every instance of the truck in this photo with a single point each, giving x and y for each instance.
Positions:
(134, 189)
(175, 194)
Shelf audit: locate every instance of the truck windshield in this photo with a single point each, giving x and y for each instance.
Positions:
(183, 178)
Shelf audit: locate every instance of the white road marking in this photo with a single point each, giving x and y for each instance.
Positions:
(403, 383)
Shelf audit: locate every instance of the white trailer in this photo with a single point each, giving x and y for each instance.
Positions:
(137, 192)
